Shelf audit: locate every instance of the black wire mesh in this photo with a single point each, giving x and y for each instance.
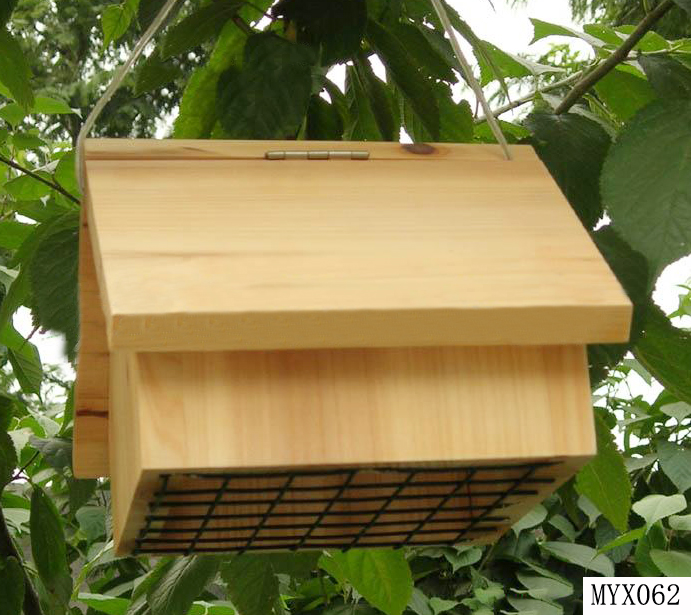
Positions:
(333, 508)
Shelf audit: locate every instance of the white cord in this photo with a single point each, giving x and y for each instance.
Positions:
(468, 74)
(160, 19)
(119, 77)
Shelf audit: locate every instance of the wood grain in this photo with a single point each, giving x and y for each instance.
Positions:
(240, 253)
(90, 453)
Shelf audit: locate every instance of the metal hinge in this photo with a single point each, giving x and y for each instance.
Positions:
(317, 155)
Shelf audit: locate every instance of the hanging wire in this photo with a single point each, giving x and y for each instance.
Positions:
(470, 78)
(166, 10)
(115, 84)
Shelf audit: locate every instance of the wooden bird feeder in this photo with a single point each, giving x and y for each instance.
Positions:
(295, 345)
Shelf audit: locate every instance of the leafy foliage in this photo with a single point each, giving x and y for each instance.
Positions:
(232, 69)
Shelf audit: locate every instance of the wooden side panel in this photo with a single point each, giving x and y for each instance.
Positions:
(130, 487)
(90, 456)
(205, 411)
(234, 254)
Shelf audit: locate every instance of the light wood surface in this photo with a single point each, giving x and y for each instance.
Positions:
(236, 252)
(189, 149)
(250, 411)
(202, 411)
(90, 453)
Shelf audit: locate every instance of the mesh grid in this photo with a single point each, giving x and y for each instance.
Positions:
(334, 508)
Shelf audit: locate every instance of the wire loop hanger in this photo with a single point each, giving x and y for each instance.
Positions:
(166, 10)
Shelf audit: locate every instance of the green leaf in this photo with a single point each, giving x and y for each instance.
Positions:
(203, 24)
(297, 565)
(681, 523)
(14, 70)
(379, 98)
(544, 588)
(498, 64)
(24, 359)
(605, 480)
(624, 93)
(27, 141)
(678, 410)
(53, 278)
(56, 451)
(535, 517)
(564, 526)
(11, 586)
(252, 584)
(675, 462)
(685, 4)
(402, 69)
(456, 119)
(535, 607)
(323, 121)
(92, 521)
(116, 19)
(631, 268)
(672, 563)
(181, 584)
(198, 112)
(646, 183)
(419, 603)
(6, 9)
(80, 492)
(13, 233)
(580, 555)
(422, 51)
(110, 605)
(154, 73)
(543, 29)
(460, 557)
(665, 351)
(8, 459)
(48, 546)
(51, 106)
(624, 539)
(268, 98)
(26, 188)
(438, 605)
(380, 576)
(655, 507)
(573, 148)
(337, 26)
(363, 124)
(669, 78)
(13, 114)
(65, 174)
(139, 599)
(147, 11)
(7, 408)
(653, 539)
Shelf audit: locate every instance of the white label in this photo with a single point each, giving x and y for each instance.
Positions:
(632, 595)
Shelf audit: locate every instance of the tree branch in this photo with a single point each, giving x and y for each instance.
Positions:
(620, 55)
(529, 97)
(32, 606)
(37, 177)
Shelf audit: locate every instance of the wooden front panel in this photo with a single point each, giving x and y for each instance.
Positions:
(223, 250)
(208, 411)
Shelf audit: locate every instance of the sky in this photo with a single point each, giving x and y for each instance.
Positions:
(511, 30)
